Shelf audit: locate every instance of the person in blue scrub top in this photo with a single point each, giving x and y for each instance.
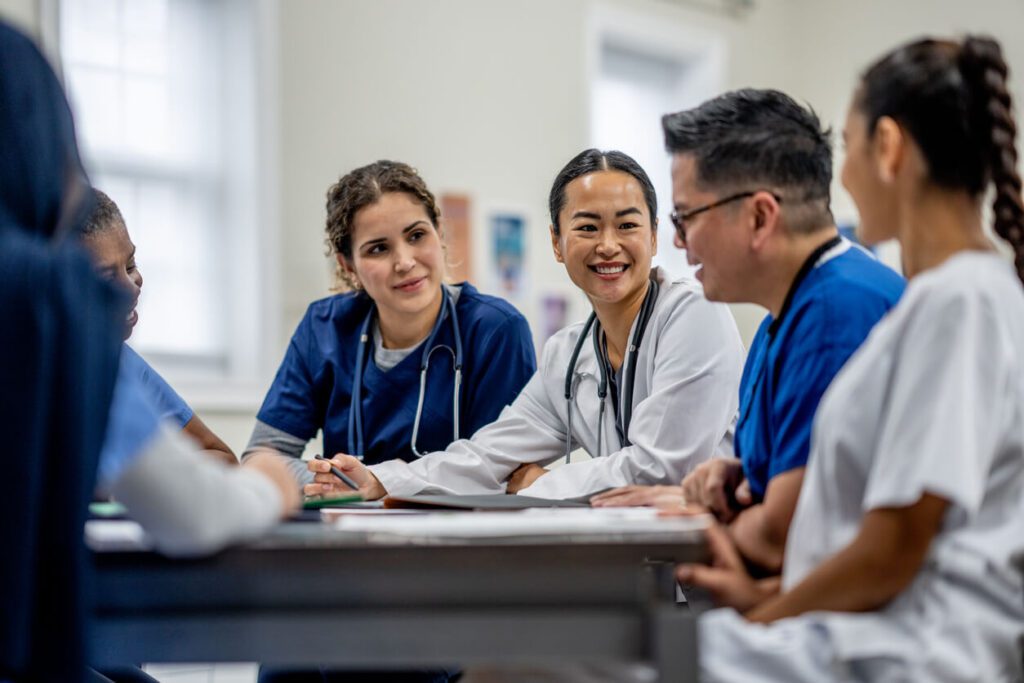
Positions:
(751, 174)
(105, 236)
(404, 363)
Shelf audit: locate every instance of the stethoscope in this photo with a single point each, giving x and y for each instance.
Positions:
(355, 415)
(626, 402)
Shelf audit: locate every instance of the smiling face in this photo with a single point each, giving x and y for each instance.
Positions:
(113, 253)
(717, 240)
(606, 239)
(397, 255)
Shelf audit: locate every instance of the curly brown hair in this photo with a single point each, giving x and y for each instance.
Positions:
(362, 187)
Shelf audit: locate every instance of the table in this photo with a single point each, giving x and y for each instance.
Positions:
(309, 593)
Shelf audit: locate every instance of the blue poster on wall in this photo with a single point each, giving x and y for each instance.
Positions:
(508, 239)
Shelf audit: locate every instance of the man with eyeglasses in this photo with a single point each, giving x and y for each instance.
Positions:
(751, 174)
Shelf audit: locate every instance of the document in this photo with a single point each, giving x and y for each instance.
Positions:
(577, 525)
(115, 534)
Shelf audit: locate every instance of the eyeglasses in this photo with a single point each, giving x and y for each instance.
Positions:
(679, 219)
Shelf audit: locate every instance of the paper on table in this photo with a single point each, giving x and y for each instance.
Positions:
(527, 523)
(110, 534)
(331, 514)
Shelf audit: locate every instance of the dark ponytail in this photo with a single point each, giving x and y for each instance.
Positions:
(985, 71)
(953, 100)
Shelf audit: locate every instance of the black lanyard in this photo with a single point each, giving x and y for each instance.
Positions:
(625, 408)
(801, 275)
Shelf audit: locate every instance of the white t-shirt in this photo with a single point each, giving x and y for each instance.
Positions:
(933, 402)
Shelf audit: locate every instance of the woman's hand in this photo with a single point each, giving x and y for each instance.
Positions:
(325, 484)
(661, 497)
(523, 476)
(720, 486)
(726, 578)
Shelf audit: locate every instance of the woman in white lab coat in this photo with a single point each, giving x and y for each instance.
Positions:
(647, 387)
(904, 559)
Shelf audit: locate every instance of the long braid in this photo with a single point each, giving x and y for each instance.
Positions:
(983, 66)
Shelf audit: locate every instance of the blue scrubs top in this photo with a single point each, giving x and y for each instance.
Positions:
(166, 400)
(792, 360)
(134, 419)
(313, 386)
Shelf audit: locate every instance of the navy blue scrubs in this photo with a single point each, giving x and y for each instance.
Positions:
(313, 386)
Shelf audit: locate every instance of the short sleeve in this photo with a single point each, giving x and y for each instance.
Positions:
(942, 411)
(166, 400)
(290, 405)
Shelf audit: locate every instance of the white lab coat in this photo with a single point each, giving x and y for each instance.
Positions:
(684, 405)
(933, 403)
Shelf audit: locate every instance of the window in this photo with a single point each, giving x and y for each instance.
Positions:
(641, 71)
(165, 97)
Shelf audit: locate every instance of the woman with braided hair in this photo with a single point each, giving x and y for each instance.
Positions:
(905, 558)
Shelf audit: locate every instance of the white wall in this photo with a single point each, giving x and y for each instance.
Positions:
(21, 13)
(839, 39)
(486, 98)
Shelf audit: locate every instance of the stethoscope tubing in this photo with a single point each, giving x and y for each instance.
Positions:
(592, 327)
(356, 444)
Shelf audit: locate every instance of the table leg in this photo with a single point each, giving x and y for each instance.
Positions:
(673, 640)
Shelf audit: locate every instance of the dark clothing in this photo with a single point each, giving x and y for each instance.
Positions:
(59, 347)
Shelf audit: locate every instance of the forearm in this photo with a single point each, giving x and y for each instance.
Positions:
(191, 505)
(289, 446)
(463, 469)
(760, 531)
(208, 441)
(483, 464)
(851, 581)
(582, 478)
(879, 563)
(756, 540)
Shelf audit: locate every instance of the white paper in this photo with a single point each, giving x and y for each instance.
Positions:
(534, 522)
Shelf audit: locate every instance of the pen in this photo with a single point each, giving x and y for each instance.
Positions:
(339, 474)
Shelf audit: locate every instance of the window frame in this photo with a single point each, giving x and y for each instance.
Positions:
(251, 295)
